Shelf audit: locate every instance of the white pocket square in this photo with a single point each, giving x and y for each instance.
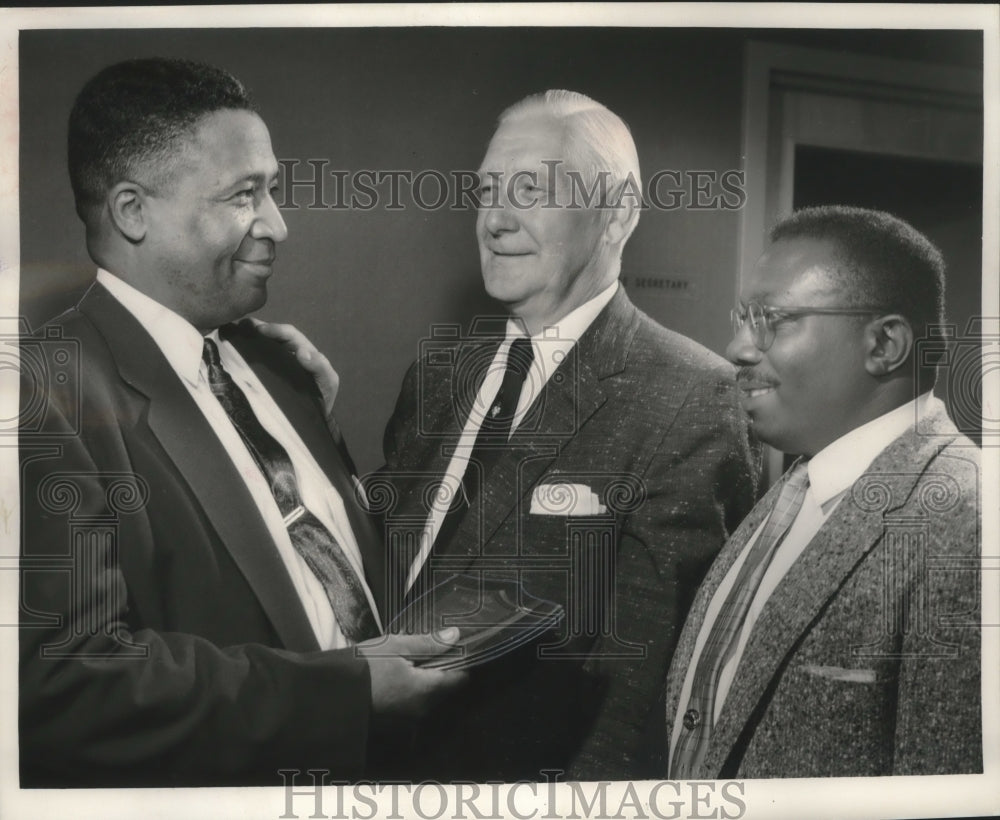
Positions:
(565, 499)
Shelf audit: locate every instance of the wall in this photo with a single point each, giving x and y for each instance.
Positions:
(367, 286)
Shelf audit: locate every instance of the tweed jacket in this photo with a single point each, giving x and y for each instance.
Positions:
(647, 420)
(162, 641)
(866, 658)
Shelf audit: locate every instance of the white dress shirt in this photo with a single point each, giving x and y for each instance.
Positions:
(832, 472)
(549, 348)
(182, 344)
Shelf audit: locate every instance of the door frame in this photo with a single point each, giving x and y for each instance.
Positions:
(770, 69)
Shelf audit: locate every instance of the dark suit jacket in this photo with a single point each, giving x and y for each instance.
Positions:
(645, 418)
(866, 658)
(162, 641)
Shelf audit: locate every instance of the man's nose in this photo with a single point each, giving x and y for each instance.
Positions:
(268, 223)
(742, 350)
(498, 216)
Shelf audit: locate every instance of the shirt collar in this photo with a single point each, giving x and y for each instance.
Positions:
(179, 341)
(842, 462)
(554, 342)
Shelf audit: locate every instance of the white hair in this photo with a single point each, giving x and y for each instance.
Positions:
(596, 139)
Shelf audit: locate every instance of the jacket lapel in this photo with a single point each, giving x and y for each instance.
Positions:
(295, 397)
(187, 438)
(684, 653)
(853, 529)
(564, 406)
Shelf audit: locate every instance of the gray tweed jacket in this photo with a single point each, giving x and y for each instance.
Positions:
(866, 659)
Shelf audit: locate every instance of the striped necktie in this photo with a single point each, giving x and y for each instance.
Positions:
(699, 717)
(314, 542)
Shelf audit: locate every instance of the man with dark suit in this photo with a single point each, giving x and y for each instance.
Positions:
(200, 582)
(837, 634)
(585, 452)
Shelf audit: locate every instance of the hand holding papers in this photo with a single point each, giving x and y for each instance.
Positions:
(493, 616)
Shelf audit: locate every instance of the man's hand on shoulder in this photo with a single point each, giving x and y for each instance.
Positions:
(307, 355)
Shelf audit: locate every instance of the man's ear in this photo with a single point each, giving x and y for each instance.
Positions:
(127, 207)
(622, 216)
(889, 343)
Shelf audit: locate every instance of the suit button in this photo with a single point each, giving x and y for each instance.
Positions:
(692, 717)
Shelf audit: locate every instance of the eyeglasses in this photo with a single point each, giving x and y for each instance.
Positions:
(763, 318)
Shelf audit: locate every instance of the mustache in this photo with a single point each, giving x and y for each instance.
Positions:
(748, 374)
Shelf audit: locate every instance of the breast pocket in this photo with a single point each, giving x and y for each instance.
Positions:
(829, 721)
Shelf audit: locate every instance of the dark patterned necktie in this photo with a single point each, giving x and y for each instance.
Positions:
(314, 542)
(492, 436)
(699, 717)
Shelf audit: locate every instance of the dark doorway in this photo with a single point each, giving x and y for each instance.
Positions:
(943, 200)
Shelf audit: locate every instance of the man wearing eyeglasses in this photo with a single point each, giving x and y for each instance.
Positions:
(837, 633)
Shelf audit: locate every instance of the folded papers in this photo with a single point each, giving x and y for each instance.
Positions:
(493, 616)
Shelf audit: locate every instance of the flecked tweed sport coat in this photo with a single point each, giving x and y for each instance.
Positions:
(644, 419)
(866, 658)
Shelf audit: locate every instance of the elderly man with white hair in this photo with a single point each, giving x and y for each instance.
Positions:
(583, 454)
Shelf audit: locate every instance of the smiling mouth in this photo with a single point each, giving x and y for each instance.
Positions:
(508, 253)
(753, 391)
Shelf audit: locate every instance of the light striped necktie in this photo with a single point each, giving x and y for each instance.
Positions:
(699, 717)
